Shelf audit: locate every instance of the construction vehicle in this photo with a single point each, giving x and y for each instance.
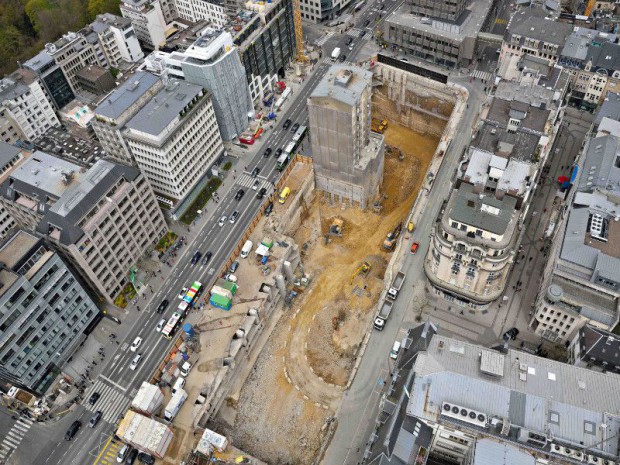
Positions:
(589, 7)
(390, 241)
(383, 315)
(363, 268)
(378, 126)
(397, 285)
(336, 227)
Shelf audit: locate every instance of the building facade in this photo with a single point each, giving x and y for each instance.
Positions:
(199, 10)
(95, 79)
(318, 11)
(118, 108)
(73, 52)
(46, 311)
(147, 20)
(175, 138)
(102, 220)
(118, 39)
(596, 349)
(348, 157)
(25, 109)
(52, 77)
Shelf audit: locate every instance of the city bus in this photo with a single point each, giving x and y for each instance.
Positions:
(173, 324)
(301, 132)
(192, 292)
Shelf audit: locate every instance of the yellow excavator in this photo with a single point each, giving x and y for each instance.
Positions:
(363, 268)
(392, 236)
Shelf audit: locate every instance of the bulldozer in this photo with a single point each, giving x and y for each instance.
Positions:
(363, 268)
(390, 241)
(378, 126)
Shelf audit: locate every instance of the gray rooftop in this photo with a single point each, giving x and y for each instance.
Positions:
(104, 21)
(561, 401)
(510, 173)
(482, 211)
(343, 83)
(8, 152)
(532, 118)
(39, 61)
(127, 94)
(609, 109)
(598, 346)
(531, 23)
(10, 89)
(164, 107)
(490, 451)
(534, 95)
(521, 145)
(576, 46)
(605, 57)
(600, 165)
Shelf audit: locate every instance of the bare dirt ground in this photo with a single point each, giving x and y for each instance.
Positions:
(300, 375)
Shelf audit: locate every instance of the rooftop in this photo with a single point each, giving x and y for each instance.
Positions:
(510, 144)
(532, 94)
(39, 61)
(344, 84)
(14, 250)
(605, 57)
(533, 24)
(609, 109)
(531, 118)
(126, 95)
(164, 108)
(8, 153)
(92, 72)
(104, 21)
(469, 25)
(554, 400)
(10, 89)
(598, 346)
(60, 143)
(482, 211)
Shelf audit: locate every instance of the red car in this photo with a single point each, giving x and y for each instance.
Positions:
(414, 247)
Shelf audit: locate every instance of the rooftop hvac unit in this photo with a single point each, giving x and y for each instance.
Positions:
(463, 414)
(594, 460)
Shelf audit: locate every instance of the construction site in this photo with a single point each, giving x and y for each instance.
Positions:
(283, 411)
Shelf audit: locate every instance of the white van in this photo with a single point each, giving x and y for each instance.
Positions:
(247, 248)
(178, 385)
(395, 350)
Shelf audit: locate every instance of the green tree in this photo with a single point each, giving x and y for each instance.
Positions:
(97, 7)
(33, 8)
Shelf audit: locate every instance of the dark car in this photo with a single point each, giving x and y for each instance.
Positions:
(94, 398)
(255, 171)
(367, 23)
(261, 193)
(240, 193)
(233, 266)
(269, 209)
(287, 124)
(382, 7)
(349, 40)
(511, 334)
(342, 58)
(278, 153)
(162, 306)
(295, 127)
(131, 457)
(267, 152)
(73, 429)
(95, 418)
(146, 458)
(208, 256)
(196, 257)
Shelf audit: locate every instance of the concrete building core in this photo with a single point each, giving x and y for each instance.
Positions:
(348, 157)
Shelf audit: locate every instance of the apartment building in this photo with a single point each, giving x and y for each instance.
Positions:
(118, 39)
(453, 402)
(212, 62)
(147, 20)
(46, 312)
(175, 138)
(54, 81)
(475, 241)
(580, 284)
(443, 33)
(72, 52)
(95, 79)
(102, 219)
(348, 157)
(202, 10)
(26, 112)
(118, 108)
(531, 32)
(9, 157)
(596, 349)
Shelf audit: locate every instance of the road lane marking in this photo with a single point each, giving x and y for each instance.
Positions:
(122, 388)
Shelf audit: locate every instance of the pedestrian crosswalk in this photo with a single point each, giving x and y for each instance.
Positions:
(112, 402)
(246, 180)
(482, 75)
(324, 38)
(330, 61)
(14, 438)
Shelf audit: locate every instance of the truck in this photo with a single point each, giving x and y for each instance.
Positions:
(232, 287)
(148, 399)
(221, 291)
(144, 433)
(336, 53)
(383, 315)
(397, 284)
(175, 404)
(220, 301)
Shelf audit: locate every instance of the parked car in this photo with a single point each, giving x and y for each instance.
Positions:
(123, 453)
(73, 429)
(162, 306)
(207, 257)
(269, 209)
(94, 398)
(196, 257)
(131, 457)
(234, 217)
(146, 458)
(342, 58)
(160, 325)
(295, 127)
(185, 369)
(95, 419)
(230, 277)
(255, 171)
(233, 266)
(137, 342)
(222, 220)
(267, 152)
(240, 193)
(135, 362)
(178, 385)
(287, 124)
(261, 193)
(511, 334)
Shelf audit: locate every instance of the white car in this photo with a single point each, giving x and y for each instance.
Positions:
(160, 325)
(182, 293)
(222, 220)
(185, 369)
(136, 343)
(135, 362)
(256, 184)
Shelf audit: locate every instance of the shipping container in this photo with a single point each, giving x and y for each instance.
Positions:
(144, 433)
(232, 287)
(221, 291)
(220, 302)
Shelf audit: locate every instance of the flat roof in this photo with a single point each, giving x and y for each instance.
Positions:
(501, 111)
(7, 153)
(482, 211)
(343, 83)
(16, 247)
(127, 94)
(514, 144)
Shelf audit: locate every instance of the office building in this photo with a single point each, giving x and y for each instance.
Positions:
(580, 283)
(318, 11)
(9, 157)
(174, 138)
(25, 110)
(452, 402)
(212, 11)
(596, 349)
(52, 77)
(95, 79)
(443, 33)
(102, 220)
(147, 20)
(46, 311)
(118, 39)
(348, 157)
(117, 108)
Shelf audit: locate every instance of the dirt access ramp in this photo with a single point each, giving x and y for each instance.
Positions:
(300, 376)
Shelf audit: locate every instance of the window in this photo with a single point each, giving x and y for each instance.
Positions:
(554, 417)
